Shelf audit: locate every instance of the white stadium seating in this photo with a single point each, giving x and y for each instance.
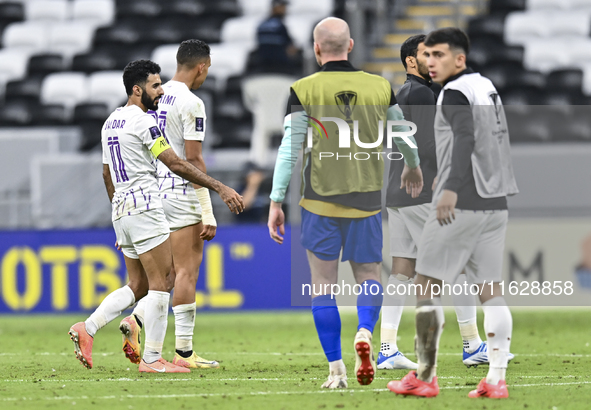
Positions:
(69, 38)
(107, 87)
(165, 56)
(96, 12)
(67, 89)
(32, 36)
(47, 10)
(13, 66)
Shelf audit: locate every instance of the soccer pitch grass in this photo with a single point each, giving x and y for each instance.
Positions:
(274, 361)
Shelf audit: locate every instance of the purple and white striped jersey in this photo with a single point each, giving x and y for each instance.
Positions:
(180, 116)
(127, 137)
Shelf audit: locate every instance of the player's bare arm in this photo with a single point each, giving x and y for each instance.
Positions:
(276, 221)
(108, 182)
(185, 170)
(193, 150)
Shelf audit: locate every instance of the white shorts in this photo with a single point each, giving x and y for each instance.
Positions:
(475, 240)
(140, 233)
(181, 212)
(405, 226)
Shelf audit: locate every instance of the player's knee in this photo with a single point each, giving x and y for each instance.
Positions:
(186, 277)
(139, 288)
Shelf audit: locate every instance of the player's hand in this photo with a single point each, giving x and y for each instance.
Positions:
(276, 220)
(446, 206)
(208, 232)
(412, 180)
(117, 245)
(232, 199)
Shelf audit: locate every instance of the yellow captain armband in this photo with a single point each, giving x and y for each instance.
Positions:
(160, 145)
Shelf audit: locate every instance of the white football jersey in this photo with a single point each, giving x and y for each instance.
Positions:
(180, 116)
(127, 137)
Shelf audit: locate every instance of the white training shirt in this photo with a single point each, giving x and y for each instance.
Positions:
(180, 116)
(127, 137)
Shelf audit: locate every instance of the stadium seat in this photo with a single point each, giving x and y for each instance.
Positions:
(45, 64)
(300, 28)
(527, 125)
(27, 89)
(146, 8)
(70, 38)
(485, 51)
(506, 6)
(183, 7)
(229, 104)
(255, 7)
(581, 5)
(545, 56)
(522, 95)
(91, 117)
(227, 60)
(522, 27)
(208, 30)
(569, 80)
(16, 114)
(94, 12)
(107, 87)
(96, 60)
(508, 75)
(550, 5)
(317, 8)
(13, 65)
(50, 114)
(67, 88)
(47, 10)
(574, 24)
(241, 30)
(165, 56)
(487, 26)
(10, 13)
(31, 36)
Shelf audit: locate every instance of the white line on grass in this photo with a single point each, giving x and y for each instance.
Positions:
(261, 393)
(250, 379)
(290, 354)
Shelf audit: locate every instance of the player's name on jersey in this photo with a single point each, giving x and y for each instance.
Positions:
(114, 124)
(168, 99)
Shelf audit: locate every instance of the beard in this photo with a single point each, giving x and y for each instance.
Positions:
(423, 71)
(149, 103)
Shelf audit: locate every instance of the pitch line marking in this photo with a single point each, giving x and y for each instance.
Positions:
(149, 379)
(261, 393)
(292, 354)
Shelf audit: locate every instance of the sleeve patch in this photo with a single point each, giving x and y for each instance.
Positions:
(155, 132)
(199, 124)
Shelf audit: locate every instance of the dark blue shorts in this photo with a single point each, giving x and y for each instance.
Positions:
(360, 238)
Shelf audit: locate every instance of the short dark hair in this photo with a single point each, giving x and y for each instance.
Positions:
(137, 73)
(410, 47)
(192, 52)
(454, 37)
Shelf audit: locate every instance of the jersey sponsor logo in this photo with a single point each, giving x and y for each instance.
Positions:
(155, 132)
(199, 124)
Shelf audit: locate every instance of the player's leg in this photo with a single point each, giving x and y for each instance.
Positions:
(157, 263)
(486, 266)
(327, 319)
(474, 349)
(82, 333)
(131, 326)
(362, 247)
(187, 254)
(321, 237)
(405, 226)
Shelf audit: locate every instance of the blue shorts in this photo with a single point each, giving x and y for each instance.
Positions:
(360, 238)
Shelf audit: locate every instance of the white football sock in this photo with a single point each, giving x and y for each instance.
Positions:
(429, 322)
(498, 325)
(465, 306)
(392, 307)
(184, 324)
(140, 309)
(111, 307)
(155, 324)
(337, 367)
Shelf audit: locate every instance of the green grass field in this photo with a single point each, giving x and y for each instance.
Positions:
(274, 361)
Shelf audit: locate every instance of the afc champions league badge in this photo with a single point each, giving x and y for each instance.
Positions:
(346, 101)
